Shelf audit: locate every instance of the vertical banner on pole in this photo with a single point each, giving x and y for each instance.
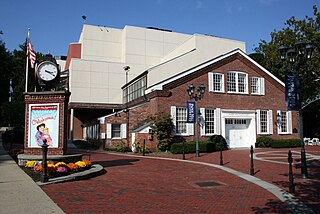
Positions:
(292, 91)
(191, 112)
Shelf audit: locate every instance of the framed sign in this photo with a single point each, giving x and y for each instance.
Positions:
(43, 125)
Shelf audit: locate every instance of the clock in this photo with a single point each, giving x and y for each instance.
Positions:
(47, 71)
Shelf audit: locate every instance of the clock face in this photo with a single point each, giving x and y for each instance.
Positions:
(47, 71)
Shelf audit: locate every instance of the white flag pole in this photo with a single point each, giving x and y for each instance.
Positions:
(27, 61)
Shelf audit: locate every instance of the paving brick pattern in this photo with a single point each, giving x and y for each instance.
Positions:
(138, 185)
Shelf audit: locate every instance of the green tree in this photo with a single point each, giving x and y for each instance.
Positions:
(163, 127)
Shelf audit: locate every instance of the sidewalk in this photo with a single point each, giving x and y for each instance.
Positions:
(18, 192)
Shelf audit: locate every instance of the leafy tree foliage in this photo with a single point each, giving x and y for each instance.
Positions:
(163, 127)
(267, 55)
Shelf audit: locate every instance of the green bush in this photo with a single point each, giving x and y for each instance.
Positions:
(219, 141)
(122, 147)
(264, 141)
(81, 144)
(287, 143)
(190, 147)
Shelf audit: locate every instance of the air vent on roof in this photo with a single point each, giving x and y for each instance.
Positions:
(155, 28)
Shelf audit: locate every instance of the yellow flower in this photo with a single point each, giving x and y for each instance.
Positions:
(30, 164)
(60, 164)
(81, 164)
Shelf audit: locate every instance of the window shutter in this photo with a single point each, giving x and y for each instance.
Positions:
(262, 89)
(217, 121)
(109, 131)
(202, 121)
(278, 126)
(270, 121)
(190, 129)
(258, 122)
(289, 122)
(210, 81)
(173, 116)
(222, 83)
(123, 130)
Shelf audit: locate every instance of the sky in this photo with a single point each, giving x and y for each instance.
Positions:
(55, 24)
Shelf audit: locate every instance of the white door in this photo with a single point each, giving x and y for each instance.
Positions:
(237, 133)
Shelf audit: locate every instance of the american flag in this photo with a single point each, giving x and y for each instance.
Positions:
(31, 55)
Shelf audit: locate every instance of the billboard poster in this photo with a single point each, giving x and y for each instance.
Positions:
(191, 112)
(43, 125)
(292, 91)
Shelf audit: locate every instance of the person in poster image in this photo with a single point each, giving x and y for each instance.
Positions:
(42, 136)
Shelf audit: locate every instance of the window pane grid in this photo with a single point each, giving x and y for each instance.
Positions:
(254, 85)
(181, 120)
(209, 123)
(217, 82)
(231, 80)
(264, 121)
(116, 129)
(283, 126)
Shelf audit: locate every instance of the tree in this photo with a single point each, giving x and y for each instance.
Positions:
(163, 127)
(267, 55)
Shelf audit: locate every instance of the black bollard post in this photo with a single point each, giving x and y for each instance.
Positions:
(221, 160)
(44, 176)
(251, 165)
(304, 169)
(183, 148)
(291, 183)
(144, 148)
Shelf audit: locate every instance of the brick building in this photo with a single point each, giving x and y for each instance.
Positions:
(149, 70)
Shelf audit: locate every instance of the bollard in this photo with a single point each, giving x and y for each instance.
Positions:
(304, 169)
(44, 176)
(221, 160)
(144, 148)
(183, 148)
(291, 183)
(251, 165)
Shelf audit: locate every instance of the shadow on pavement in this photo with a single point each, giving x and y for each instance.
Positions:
(120, 162)
(272, 206)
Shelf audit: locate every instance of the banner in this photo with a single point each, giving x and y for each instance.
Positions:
(191, 112)
(292, 91)
(43, 125)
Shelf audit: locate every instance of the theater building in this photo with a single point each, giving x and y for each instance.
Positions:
(120, 77)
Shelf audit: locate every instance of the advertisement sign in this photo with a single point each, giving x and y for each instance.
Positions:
(191, 112)
(292, 91)
(43, 125)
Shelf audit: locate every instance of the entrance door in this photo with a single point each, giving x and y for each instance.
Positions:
(237, 132)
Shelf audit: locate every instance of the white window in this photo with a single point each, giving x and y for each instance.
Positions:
(285, 123)
(210, 121)
(216, 82)
(179, 119)
(257, 85)
(264, 122)
(237, 82)
(116, 131)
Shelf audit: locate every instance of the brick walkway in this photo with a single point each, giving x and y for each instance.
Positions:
(137, 185)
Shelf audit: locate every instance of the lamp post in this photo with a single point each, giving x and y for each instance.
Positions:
(127, 69)
(196, 96)
(302, 51)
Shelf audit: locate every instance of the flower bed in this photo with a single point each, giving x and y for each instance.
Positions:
(34, 168)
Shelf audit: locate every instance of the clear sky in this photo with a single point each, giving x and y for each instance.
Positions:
(57, 23)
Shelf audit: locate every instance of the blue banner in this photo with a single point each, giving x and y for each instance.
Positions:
(292, 91)
(191, 112)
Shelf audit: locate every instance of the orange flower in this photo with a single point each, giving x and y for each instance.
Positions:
(87, 162)
(38, 168)
(73, 167)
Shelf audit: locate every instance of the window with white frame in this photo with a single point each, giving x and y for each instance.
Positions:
(209, 121)
(285, 123)
(116, 131)
(216, 82)
(179, 119)
(237, 82)
(264, 122)
(257, 85)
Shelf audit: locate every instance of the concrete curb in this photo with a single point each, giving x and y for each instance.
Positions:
(95, 170)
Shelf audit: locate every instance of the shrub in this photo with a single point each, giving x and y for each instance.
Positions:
(264, 141)
(219, 140)
(286, 143)
(190, 147)
(122, 147)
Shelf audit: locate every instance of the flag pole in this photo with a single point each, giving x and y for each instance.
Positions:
(27, 61)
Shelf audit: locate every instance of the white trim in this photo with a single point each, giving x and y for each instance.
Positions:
(109, 130)
(160, 85)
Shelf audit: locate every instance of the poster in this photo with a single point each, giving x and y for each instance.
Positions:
(43, 125)
(292, 91)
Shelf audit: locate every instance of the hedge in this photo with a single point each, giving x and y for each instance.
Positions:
(190, 147)
(277, 143)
